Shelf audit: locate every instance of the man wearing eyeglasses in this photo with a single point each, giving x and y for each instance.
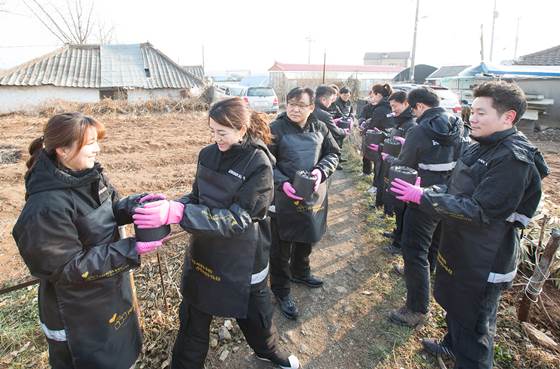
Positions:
(300, 142)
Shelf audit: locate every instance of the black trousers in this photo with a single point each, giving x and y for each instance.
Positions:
(474, 349)
(191, 345)
(59, 355)
(399, 223)
(367, 166)
(418, 229)
(286, 259)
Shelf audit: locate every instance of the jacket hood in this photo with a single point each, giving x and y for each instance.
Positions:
(46, 176)
(442, 127)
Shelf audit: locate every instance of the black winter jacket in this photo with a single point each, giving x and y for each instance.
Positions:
(506, 172)
(379, 116)
(250, 203)
(403, 123)
(343, 109)
(74, 253)
(286, 162)
(322, 114)
(432, 146)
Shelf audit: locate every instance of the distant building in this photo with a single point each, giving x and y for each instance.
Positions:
(195, 70)
(89, 73)
(544, 57)
(445, 72)
(284, 77)
(399, 58)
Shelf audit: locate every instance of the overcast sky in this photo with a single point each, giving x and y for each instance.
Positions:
(252, 34)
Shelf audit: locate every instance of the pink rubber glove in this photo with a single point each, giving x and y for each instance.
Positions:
(146, 247)
(400, 139)
(290, 191)
(384, 155)
(406, 191)
(336, 120)
(319, 175)
(158, 213)
(373, 147)
(152, 197)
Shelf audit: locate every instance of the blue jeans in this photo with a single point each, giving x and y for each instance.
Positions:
(474, 349)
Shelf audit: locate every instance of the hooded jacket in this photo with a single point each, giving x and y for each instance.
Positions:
(344, 109)
(68, 237)
(432, 146)
(495, 189)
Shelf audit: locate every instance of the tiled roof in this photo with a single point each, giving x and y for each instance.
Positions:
(101, 66)
(544, 57)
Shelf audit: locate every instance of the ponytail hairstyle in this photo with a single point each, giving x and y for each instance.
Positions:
(62, 130)
(384, 90)
(235, 114)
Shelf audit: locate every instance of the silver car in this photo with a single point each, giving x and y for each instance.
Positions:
(262, 99)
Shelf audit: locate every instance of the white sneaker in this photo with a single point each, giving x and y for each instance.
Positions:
(372, 190)
(290, 362)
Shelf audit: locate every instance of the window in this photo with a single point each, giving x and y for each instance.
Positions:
(113, 94)
(260, 91)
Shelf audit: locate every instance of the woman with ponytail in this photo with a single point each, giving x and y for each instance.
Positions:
(67, 234)
(225, 274)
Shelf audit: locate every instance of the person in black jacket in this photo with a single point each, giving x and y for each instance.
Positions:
(344, 107)
(226, 272)
(404, 120)
(493, 192)
(381, 119)
(430, 148)
(68, 237)
(323, 100)
(300, 142)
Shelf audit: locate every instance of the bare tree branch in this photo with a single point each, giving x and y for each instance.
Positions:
(54, 22)
(44, 23)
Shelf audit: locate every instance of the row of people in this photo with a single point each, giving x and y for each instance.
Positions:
(243, 214)
(465, 217)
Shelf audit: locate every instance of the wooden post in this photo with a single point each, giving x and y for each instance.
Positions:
(535, 284)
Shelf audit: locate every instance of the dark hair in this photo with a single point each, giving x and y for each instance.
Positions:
(62, 130)
(344, 90)
(383, 89)
(297, 92)
(505, 96)
(424, 95)
(235, 114)
(324, 91)
(399, 96)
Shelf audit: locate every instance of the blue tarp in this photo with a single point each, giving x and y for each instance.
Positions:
(512, 70)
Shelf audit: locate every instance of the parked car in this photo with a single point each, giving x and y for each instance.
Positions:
(448, 99)
(262, 99)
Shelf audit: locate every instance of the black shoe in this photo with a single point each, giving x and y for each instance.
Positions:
(288, 307)
(393, 250)
(282, 359)
(389, 234)
(309, 281)
(342, 160)
(437, 349)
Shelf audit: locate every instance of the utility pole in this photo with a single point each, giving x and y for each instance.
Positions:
(309, 41)
(324, 64)
(413, 56)
(494, 16)
(482, 43)
(516, 39)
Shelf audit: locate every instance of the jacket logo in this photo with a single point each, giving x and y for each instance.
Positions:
(118, 320)
(85, 275)
(482, 162)
(104, 189)
(235, 174)
(435, 143)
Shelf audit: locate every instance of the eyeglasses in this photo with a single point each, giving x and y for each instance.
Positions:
(293, 105)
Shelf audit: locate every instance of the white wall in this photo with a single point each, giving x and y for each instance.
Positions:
(16, 98)
(140, 94)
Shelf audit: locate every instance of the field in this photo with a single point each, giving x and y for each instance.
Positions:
(342, 325)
